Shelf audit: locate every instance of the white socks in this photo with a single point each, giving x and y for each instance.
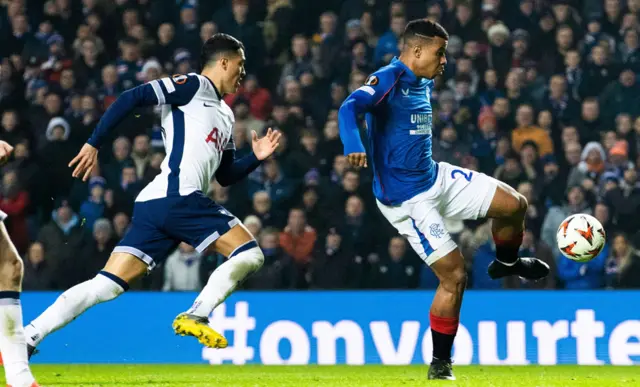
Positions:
(12, 341)
(72, 303)
(242, 262)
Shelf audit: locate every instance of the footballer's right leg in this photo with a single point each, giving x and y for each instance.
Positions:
(216, 231)
(244, 258)
(112, 281)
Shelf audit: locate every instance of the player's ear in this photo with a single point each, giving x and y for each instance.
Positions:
(417, 50)
(224, 62)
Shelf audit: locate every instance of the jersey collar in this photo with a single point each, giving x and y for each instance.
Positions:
(215, 89)
(408, 74)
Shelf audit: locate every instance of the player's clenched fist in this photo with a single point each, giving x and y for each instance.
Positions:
(86, 160)
(357, 159)
(5, 152)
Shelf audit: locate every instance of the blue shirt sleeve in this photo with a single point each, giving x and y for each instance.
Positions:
(362, 100)
(177, 90)
(232, 170)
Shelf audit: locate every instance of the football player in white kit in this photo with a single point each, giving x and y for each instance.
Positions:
(173, 208)
(12, 338)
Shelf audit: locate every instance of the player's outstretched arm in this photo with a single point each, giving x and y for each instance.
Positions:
(5, 152)
(232, 170)
(178, 91)
(362, 100)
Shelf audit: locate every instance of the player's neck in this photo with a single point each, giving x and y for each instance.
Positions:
(407, 62)
(215, 80)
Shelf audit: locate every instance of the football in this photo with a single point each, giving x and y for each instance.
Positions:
(581, 237)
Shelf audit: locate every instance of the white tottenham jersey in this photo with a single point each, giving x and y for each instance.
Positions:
(197, 128)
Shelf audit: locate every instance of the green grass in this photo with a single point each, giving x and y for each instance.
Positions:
(330, 376)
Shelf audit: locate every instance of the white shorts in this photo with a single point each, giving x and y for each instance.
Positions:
(3, 216)
(458, 194)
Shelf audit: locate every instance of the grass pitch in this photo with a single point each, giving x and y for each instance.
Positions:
(330, 376)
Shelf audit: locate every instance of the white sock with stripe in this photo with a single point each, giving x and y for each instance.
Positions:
(242, 262)
(12, 341)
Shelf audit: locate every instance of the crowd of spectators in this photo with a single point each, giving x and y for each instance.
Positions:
(541, 94)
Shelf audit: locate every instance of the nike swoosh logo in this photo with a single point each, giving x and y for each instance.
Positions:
(205, 104)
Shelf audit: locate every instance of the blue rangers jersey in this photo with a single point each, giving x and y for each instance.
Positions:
(398, 116)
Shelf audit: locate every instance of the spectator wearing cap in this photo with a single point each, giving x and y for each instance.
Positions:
(93, 207)
(37, 270)
(499, 54)
(575, 204)
(62, 238)
(57, 60)
(621, 96)
(624, 202)
(14, 201)
(520, 48)
(527, 131)
(56, 155)
(592, 164)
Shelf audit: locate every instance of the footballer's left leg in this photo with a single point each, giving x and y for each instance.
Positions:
(13, 345)
(244, 257)
(508, 210)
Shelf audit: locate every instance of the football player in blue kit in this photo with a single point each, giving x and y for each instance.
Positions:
(416, 193)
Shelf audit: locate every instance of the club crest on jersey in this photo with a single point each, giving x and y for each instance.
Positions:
(371, 81)
(179, 79)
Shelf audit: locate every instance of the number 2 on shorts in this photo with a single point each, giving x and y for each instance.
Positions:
(461, 172)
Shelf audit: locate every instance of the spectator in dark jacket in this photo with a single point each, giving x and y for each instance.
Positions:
(62, 238)
(277, 272)
(397, 270)
(37, 270)
(623, 265)
(333, 266)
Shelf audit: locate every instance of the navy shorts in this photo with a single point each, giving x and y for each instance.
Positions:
(159, 225)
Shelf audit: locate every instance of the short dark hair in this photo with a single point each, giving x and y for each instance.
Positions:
(218, 44)
(424, 28)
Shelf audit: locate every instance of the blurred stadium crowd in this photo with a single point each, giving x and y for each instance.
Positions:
(542, 94)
